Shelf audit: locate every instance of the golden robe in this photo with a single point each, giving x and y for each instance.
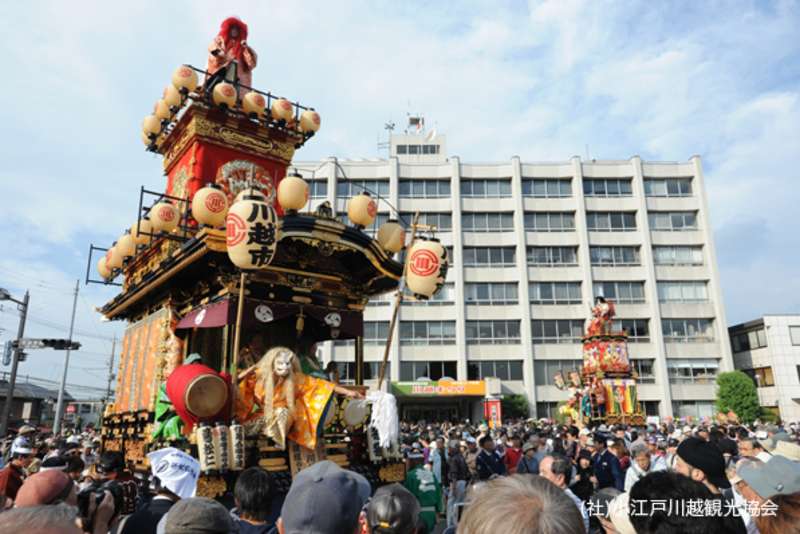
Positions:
(311, 398)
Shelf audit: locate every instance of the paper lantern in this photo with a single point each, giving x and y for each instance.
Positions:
(292, 193)
(282, 110)
(254, 104)
(113, 258)
(151, 125)
(426, 267)
(103, 269)
(184, 79)
(126, 246)
(224, 94)
(210, 205)
(172, 97)
(139, 236)
(164, 217)
(252, 192)
(161, 110)
(362, 209)
(146, 139)
(392, 236)
(252, 232)
(309, 121)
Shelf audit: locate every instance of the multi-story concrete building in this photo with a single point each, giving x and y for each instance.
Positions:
(768, 349)
(532, 245)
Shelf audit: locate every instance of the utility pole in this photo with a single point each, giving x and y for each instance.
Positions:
(110, 369)
(60, 405)
(15, 363)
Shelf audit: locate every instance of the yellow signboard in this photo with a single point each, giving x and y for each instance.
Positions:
(444, 388)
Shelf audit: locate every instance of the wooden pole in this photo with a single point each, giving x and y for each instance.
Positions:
(398, 300)
(236, 338)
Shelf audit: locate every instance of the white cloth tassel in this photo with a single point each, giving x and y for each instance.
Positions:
(384, 417)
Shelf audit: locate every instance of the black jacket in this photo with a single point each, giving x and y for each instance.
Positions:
(146, 520)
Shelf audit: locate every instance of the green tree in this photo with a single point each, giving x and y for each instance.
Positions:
(737, 393)
(514, 406)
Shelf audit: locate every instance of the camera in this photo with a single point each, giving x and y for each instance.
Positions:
(95, 493)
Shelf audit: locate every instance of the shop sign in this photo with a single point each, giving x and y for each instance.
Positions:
(441, 388)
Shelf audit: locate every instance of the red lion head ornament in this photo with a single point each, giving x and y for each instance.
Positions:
(234, 44)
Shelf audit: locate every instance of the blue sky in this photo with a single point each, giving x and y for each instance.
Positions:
(542, 80)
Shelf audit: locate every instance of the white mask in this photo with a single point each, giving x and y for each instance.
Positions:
(283, 363)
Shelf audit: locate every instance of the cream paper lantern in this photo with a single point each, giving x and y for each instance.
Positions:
(164, 217)
(392, 236)
(254, 104)
(151, 125)
(172, 97)
(224, 94)
(252, 232)
(184, 79)
(426, 267)
(282, 110)
(292, 193)
(103, 269)
(113, 258)
(126, 246)
(362, 209)
(139, 236)
(161, 110)
(146, 139)
(210, 206)
(309, 121)
(250, 192)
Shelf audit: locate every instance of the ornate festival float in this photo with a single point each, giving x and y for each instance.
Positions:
(604, 389)
(227, 287)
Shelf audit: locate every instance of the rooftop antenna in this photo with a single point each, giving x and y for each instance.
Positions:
(389, 127)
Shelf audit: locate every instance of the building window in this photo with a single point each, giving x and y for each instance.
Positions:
(417, 149)
(692, 371)
(555, 292)
(556, 330)
(678, 255)
(547, 187)
(638, 329)
(652, 407)
(761, 376)
(693, 409)
(410, 371)
(545, 370)
(794, 334)
(350, 188)
(552, 256)
(442, 221)
(611, 221)
(688, 330)
(490, 293)
(645, 370)
(490, 256)
(370, 370)
(318, 188)
(502, 369)
(616, 256)
(607, 187)
(550, 221)
(485, 188)
(547, 409)
(673, 221)
(424, 188)
(621, 292)
(492, 332)
(487, 222)
(446, 295)
(427, 332)
(375, 333)
(755, 339)
(668, 187)
(690, 291)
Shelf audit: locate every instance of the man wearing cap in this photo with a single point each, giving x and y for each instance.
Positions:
(489, 463)
(392, 510)
(778, 476)
(702, 461)
(472, 455)
(175, 474)
(607, 468)
(324, 499)
(198, 515)
(12, 475)
(528, 464)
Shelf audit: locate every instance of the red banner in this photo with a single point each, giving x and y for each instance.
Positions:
(493, 412)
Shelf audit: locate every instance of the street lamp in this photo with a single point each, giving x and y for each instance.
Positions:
(23, 309)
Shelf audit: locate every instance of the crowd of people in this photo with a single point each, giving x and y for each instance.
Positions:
(525, 476)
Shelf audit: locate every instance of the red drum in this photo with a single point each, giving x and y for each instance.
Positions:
(198, 393)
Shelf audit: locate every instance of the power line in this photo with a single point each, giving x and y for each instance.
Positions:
(56, 326)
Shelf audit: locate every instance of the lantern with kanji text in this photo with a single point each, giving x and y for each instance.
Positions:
(224, 94)
(252, 231)
(184, 79)
(362, 210)
(164, 217)
(254, 104)
(292, 193)
(210, 206)
(309, 121)
(282, 110)
(392, 236)
(426, 267)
